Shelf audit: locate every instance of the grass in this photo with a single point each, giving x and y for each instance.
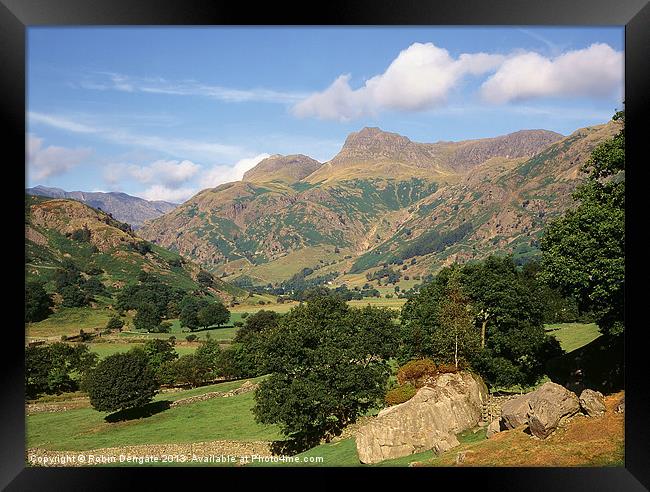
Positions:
(68, 321)
(106, 349)
(214, 419)
(572, 336)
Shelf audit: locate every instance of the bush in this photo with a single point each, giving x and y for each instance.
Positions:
(238, 324)
(37, 302)
(244, 315)
(451, 368)
(121, 381)
(191, 338)
(400, 394)
(115, 323)
(416, 372)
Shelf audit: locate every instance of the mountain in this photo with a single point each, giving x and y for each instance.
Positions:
(384, 199)
(373, 152)
(52, 235)
(123, 207)
(287, 169)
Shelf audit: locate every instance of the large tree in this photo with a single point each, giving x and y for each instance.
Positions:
(38, 302)
(214, 313)
(121, 381)
(328, 364)
(584, 250)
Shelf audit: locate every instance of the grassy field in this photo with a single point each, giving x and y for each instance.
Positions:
(572, 336)
(214, 419)
(68, 321)
(106, 349)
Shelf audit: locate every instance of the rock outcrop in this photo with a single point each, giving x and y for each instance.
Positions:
(428, 421)
(493, 428)
(592, 403)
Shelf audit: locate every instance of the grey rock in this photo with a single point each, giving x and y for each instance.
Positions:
(493, 428)
(592, 402)
(549, 404)
(514, 412)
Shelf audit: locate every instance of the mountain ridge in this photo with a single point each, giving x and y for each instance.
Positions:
(124, 207)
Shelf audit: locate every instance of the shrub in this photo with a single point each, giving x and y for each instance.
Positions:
(244, 315)
(189, 369)
(450, 368)
(400, 394)
(238, 323)
(115, 323)
(416, 372)
(191, 338)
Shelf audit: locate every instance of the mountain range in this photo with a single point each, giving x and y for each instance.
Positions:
(382, 199)
(123, 207)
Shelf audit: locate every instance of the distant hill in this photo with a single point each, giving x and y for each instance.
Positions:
(108, 245)
(383, 199)
(284, 168)
(123, 207)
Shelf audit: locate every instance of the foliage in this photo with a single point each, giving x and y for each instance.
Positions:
(400, 394)
(158, 352)
(81, 235)
(188, 369)
(55, 368)
(416, 372)
(328, 364)
(212, 314)
(190, 306)
(511, 310)
(256, 323)
(73, 296)
(121, 381)
(147, 318)
(115, 323)
(38, 302)
(583, 252)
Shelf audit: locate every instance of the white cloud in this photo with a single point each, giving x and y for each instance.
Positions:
(161, 192)
(157, 85)
(44, 162)
(596, 71)
(219, 174)
(171, 174)
(421, 77)
(167, 172)
(179, 147)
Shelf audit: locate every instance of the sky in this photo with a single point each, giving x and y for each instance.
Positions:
(162, 113)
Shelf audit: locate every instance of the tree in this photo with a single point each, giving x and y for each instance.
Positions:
(158, 352)
(256, 323)
(121, 381)
(456, 321)
(583, 252)
(205, 279)
(115, 323)
(147, 318)
(190, 306)
(38, 302)
(516, 345)
(188, 369)
(73, 296)
(56, 368)
(214, 313)
(328, 364)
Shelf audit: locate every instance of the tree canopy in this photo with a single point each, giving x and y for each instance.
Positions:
(584, 250)
(328, 363)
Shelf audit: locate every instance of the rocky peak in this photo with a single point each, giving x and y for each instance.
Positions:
(372, 141)
(286, 168)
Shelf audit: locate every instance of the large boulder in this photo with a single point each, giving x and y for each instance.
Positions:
(549, 404)
(514, 412)
(592, 402)
(428, 421)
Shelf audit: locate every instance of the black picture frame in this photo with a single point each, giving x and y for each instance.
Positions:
(17, 15)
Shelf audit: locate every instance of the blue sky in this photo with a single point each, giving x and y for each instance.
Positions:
(164, 112)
